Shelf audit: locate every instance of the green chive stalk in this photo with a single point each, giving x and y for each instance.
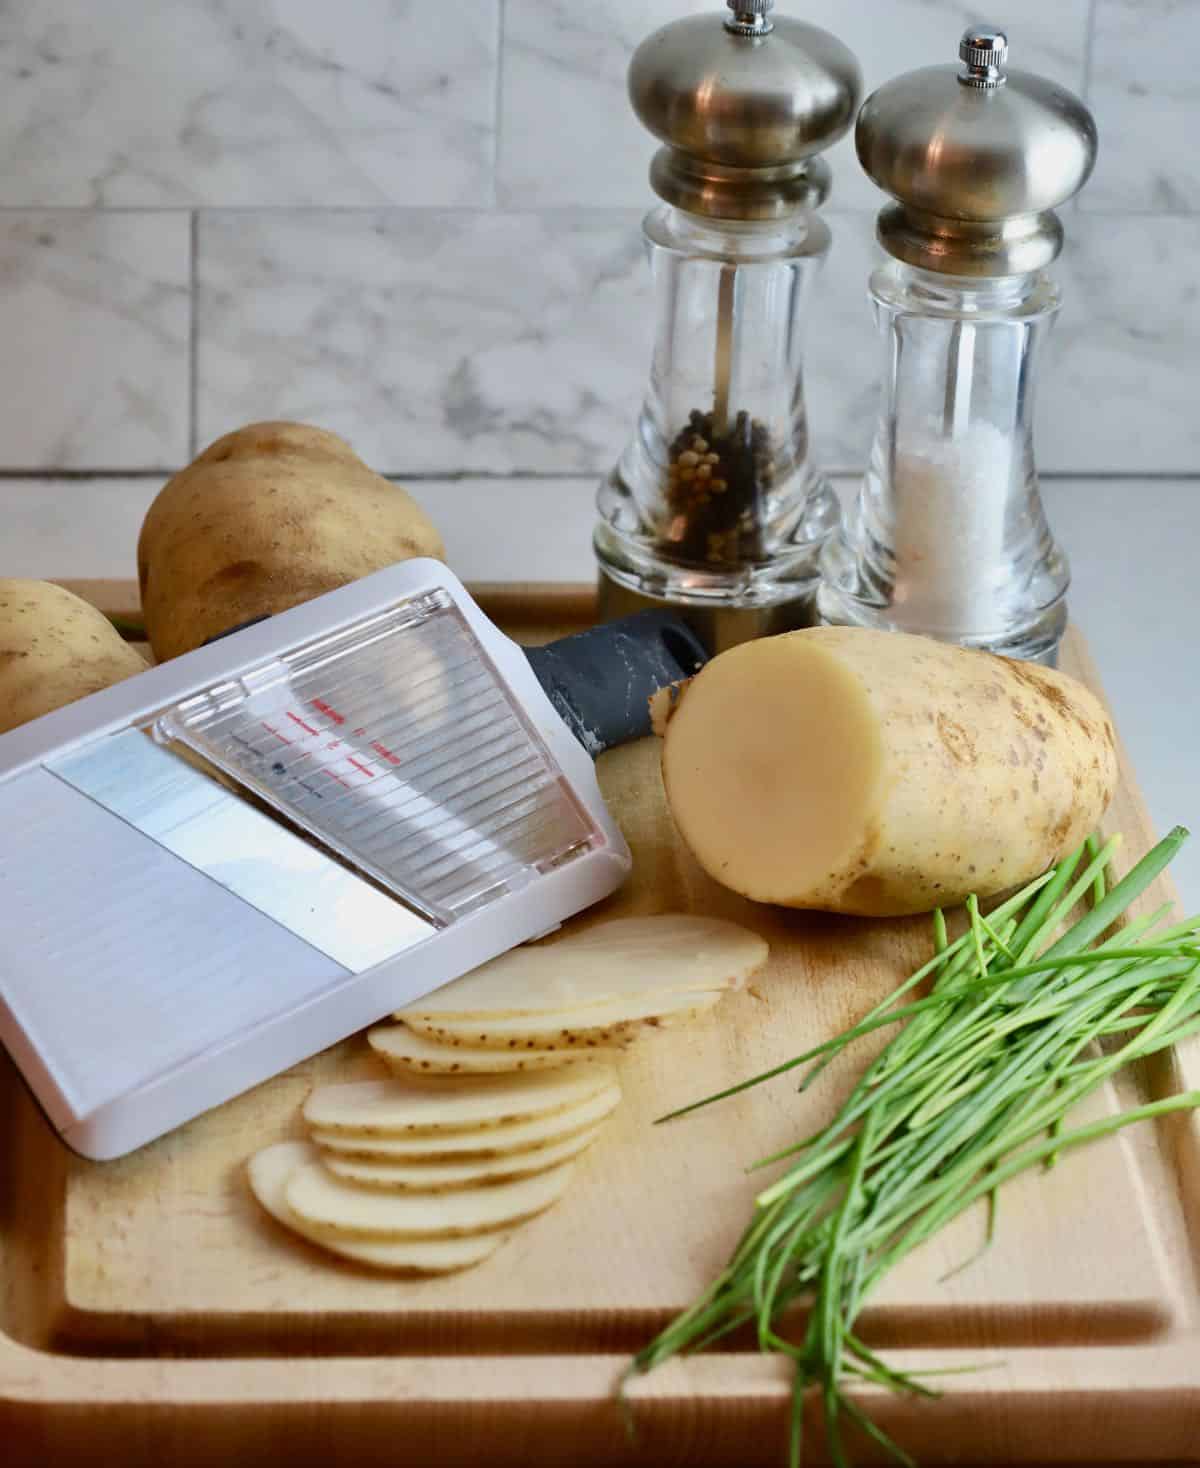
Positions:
(975, 1087)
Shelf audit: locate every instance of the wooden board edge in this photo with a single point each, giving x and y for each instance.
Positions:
(717, 1409)
(514, 603)
(116, 598)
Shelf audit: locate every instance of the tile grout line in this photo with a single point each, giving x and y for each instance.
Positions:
(467, 477)
(1089, 42)
(193, 307)
(347, 211)
(499, 103)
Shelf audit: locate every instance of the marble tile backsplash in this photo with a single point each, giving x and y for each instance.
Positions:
(95, 317)
(422, 230)
(168, 103)
(435, 341)
(1145, 90)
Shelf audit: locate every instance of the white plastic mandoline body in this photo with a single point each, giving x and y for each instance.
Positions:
(166, 944)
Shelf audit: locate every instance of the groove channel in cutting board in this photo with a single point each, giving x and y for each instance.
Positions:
(170, 1236)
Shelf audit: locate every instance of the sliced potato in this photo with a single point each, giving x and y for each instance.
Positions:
(404, 1051)
(440, 1177)
(497, 1141)
(336, 1208)
(269, 1171)
(612, 1022)
(388, 1108)
(672, 953)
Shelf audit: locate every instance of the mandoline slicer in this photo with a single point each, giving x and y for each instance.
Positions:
(225, 864)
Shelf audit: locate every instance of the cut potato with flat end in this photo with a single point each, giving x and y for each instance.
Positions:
(387, 1108)
(442, 1177)
(497, 1141)
(880, 773)
(569, 1029)
(337, 1208)
(627, 957)
(268, 1172)
(405, 1051)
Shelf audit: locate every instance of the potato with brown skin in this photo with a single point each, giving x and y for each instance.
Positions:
(54, 648)
(880, 774)
(265, 518)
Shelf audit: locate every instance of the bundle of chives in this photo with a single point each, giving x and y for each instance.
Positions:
(973, 1090)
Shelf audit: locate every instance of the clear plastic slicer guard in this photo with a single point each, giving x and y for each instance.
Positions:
(397, 746)
(244, 855)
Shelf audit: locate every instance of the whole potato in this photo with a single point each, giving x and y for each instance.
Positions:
(877, 773)
(263, 519)
(54, 648)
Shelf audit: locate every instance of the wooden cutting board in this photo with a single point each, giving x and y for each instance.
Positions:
(148, 1307)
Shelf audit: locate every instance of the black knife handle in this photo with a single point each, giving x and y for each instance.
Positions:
(600, 681)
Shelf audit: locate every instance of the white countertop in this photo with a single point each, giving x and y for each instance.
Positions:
(1136, 595)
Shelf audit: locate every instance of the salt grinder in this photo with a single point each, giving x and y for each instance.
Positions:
(715, 508)
(948, 537)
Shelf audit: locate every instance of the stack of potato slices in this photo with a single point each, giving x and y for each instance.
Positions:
(500, 1080)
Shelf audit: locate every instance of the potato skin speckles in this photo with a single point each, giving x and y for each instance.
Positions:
(55, 648)
(971, 772)
(265, 518)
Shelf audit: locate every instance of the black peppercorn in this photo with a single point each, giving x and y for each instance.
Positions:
(715, 485)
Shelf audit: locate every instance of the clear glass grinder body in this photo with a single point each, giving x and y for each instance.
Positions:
(948, 537)
(716, 496)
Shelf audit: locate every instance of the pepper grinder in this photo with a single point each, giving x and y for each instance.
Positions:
(715, 508)
(948, 536)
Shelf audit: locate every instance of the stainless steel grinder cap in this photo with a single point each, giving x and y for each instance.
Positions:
(977, 158)
(743, 104)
